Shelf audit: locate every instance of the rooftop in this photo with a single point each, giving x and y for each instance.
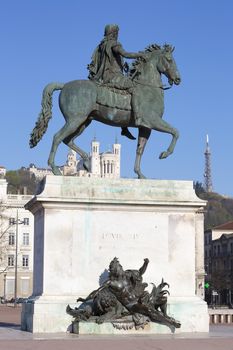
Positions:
(227, 226)
(223, 237)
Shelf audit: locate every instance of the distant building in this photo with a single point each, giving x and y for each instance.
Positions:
(2, 171)
(219, 262)
(106, 164)
(70, 168)
(16, 244)
(39, 172)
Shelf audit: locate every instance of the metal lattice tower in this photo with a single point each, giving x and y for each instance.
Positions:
(207, 174)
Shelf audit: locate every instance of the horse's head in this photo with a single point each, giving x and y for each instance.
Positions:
(167, 65)
(157, 59)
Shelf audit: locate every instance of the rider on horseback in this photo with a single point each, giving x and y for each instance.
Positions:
(107, 67)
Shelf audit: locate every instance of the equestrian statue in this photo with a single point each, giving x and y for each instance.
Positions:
(114, 94)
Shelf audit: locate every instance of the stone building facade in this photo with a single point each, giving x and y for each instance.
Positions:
(2, 171)
(39, 172)
(219, 263)
(16, 245)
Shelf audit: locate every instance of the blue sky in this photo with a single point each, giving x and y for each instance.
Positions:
(52, 40)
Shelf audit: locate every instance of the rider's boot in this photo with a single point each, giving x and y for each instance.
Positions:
(125, 132)
(135, 108)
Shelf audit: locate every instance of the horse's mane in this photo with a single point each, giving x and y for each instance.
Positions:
(139, 62)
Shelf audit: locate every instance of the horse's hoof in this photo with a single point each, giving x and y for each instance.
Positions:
(141, 176)
(177, 324)
(163, 155)
(56, 171)
(127, 133)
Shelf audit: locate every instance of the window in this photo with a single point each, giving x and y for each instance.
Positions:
(206, 239)
(215, 249)
(210, 253)
(25, 261)
(26, 221)
(11, 260)
(25, 286)
(10, 286)
(11, 221)
(224, 264)
(25, 238)
(11, 240)
(224, 248)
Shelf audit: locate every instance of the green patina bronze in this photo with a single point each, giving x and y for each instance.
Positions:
(110, 96)
(124, 301)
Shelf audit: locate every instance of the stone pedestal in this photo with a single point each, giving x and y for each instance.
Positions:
(81, 224)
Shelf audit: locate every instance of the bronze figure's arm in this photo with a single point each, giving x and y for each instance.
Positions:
(142, 269)
(118, 49)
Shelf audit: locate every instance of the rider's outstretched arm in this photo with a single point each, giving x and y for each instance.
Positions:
(119, 49)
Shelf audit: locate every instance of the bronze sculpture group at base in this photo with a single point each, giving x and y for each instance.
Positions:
(123, 301)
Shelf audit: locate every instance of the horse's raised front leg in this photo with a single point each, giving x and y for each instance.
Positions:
(163, 126)
(143, 136)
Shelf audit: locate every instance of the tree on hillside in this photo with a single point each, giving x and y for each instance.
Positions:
(19, 180)
(219, 209)
(199, 188)
(220, 280)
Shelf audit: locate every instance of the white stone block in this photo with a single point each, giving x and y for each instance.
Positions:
(81, 224)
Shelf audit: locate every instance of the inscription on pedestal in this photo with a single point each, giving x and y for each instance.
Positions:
(120, 236)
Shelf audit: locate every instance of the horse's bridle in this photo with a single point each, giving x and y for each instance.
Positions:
(152, 86)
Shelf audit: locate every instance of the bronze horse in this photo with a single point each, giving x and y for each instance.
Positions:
(79, 106)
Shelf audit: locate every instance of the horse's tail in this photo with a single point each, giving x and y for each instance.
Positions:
(45, 114)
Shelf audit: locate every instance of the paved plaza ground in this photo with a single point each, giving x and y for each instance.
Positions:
(12, 338)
